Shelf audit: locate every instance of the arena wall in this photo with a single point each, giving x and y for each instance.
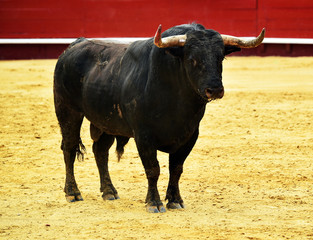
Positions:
(54, 19)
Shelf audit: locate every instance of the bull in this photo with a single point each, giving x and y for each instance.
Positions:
(154, 91)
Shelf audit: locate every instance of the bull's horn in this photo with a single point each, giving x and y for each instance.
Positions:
(172, 41)
(241, 43)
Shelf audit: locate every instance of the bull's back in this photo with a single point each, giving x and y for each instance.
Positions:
(87, 80)
(80, 60)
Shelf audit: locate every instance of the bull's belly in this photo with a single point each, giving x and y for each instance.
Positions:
(100, 108)
(110, 122)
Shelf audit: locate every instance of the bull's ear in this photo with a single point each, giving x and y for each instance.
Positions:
(231, 49)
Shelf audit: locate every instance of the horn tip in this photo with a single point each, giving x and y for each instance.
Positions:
(157, 37)
(260, 38)
(263, 32)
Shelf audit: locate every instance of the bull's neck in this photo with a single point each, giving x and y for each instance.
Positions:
(170, 76)
(169, 93)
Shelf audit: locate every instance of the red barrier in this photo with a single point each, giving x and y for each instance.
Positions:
(140, 18)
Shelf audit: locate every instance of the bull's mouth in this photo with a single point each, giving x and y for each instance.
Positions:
(214, 93)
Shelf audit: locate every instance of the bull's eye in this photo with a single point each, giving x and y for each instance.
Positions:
(193, 61)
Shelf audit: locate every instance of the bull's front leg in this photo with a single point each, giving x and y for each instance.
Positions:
(148, 155)
(176, 162)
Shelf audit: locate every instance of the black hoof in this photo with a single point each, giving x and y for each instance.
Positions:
(155, 209)
(110, 197)
(71, 199)
(174, 205)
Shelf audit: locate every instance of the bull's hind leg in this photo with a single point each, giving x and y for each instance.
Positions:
(101, 146)
(70, 122)
(176, 162)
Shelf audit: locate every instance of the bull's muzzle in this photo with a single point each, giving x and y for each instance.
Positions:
(214, 93)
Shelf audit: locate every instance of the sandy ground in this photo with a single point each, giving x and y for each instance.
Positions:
(249, 176)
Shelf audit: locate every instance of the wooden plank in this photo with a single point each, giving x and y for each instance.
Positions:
(286, 4)
(285, 21)
(140, 18)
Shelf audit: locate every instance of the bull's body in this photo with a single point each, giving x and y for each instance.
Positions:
(157, 96)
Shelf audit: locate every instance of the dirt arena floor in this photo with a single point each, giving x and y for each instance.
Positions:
(250, 175)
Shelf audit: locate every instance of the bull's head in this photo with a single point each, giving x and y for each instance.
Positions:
(203, 54)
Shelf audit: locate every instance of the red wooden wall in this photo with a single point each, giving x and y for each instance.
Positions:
(140, 18)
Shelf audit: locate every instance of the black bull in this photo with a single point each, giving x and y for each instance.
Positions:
(155, 95)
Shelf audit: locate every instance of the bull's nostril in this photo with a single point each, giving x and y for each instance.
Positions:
(214, 93)
(221, 93)
(209, 93)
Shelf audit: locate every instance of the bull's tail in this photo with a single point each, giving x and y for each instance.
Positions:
(80, 151)
(121, 142)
